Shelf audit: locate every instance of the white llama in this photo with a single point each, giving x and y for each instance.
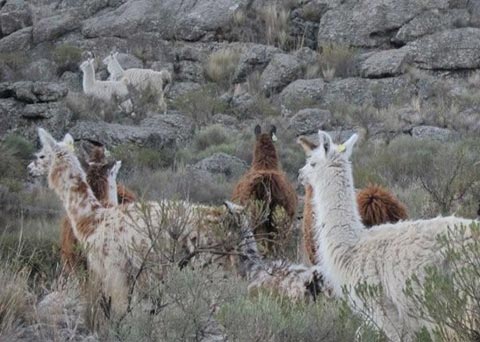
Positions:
(385, 255)
(104, 90)
(294, 281)
(140, 79)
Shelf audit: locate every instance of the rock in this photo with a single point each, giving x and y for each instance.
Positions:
(32, 92)
(14, 15)
(282, 70)
(470, 120)
(55, 26)
(72, 80)
(255, 58)
(301, 91)
(309, 121)
(306, 56)
(156, 132)
(41, 70)
(190, 20)
(24, 119)
(379, 93)
(20, 40)
(429, 22)
(225, 120)
(189, 71)
(385, 63)
(453, 49)
(474, 9)
(128, 61)
(371, 23)
(432, 132)
(180, 89)
(222, 163)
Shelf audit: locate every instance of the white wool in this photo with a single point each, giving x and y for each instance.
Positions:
(104, 90)
(112, 183)
(386, 255)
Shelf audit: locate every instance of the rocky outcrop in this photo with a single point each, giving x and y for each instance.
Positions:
(157, 132)
(309, 121)
(221, 163)
(282, 70)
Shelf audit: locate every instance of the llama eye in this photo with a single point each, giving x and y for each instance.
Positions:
(313, 164)
(41, 157)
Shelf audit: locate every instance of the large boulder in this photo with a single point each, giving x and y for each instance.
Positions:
(310, 120)
(20, 40)
(301, 91)
(385, 63)
(221, 163)
(452, 49)
(55, 26)
(431, 21)
(255, 58)
(281, 70)
(33, 92)
(371, 23)
(14, 15)
(156, 132)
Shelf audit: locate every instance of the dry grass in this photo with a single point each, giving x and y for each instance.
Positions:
(221, 65)
(333, 60)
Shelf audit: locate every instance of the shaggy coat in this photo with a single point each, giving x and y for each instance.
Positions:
(386, 255)
(266, 182)
(97, 174)
(280, 277)
(376, 206)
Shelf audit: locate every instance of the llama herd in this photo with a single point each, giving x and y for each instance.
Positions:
(116, 88)
(350, 237)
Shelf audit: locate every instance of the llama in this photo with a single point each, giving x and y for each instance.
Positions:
(386, 255)
(112, 183)
(280, 277)
(140, 79)
(376, 204)
(104, 90)
(266, 182)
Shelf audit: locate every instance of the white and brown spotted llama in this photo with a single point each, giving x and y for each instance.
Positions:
(280, 277)
(386, 255)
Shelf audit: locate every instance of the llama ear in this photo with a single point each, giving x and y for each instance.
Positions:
(307, 145)
(233, 208)
(68, 141)
(325, 141)
(46, 139)
(349, 144)
(258, 130)
(273, 133)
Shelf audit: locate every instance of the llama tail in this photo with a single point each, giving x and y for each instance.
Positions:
(377, 205)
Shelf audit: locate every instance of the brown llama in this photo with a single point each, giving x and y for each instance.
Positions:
(266, 182)
(376, 206)
(96, 169)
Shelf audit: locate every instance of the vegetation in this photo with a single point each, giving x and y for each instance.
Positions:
(68, 57)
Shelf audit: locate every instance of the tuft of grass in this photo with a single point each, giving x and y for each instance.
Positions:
(333, 60)
(221, 65)
(67, 57)
(138, 157)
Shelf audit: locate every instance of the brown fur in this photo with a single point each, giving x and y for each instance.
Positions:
(97, 179)
(377, 205)
(307, 226)
(266, 182)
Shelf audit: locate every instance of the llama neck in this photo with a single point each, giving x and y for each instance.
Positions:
(250, 259)
(88, 78)
(265, 156)
(68, 180)
(112, 190)
(337, 222)
(115, 69)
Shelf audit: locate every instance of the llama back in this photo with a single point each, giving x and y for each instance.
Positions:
(141, 79)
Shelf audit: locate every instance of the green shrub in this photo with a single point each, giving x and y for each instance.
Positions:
(68, 58)
(221, 65)
(138, 157)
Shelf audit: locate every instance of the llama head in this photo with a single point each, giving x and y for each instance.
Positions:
(325, 159)
(85, 65)
(270, 136)
(111, 57)
(43, 158)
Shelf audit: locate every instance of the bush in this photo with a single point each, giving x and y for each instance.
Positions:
(137, 157)
(68, 58)
(221, 65)
(333, 61)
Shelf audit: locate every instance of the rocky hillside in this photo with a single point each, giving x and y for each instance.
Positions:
(382, 67)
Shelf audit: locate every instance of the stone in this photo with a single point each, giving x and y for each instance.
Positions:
(432, 132)
(14, 15)
(18, 41)
(41, 70)
(282, 70)
(429, 22)
(222, 163)
(156, 132)
(448, 50)
(55, 26)
(180, 89)
(301, 91)
(309, 121)
(385, 63)
(255, 58)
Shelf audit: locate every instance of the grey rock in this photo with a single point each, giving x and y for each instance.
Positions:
(431, 21)
(452, 49)
(55, 26)
(379, 93)
(306, 56)
(128, 61)
(474, 9)
(470, 119)
(189, 71)
(72, 80)
(41, 70)
(156, 132)
(20, 40)
(282, 70)
(32, 92)
(14, 15)
(222, 163)
(180, 89)
(309, 121)
(225, 120)
(255, 58)
(385, 63)
(432, 132)
(371, 23)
